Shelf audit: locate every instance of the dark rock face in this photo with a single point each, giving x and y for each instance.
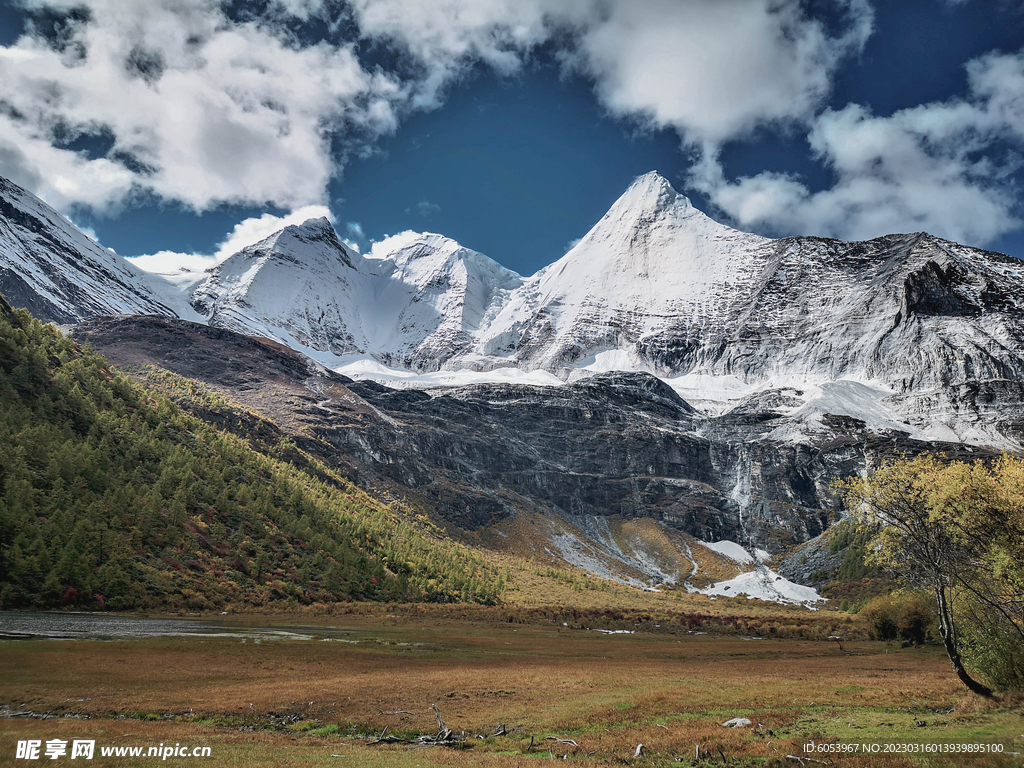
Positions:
(615, 444)
(195, 351)
(585, 449)
(20, 294)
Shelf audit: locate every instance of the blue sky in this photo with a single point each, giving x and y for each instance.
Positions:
(511, 125)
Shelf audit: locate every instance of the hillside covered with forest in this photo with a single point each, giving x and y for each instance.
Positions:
(111, 496)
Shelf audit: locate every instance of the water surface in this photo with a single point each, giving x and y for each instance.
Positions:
(63, 625)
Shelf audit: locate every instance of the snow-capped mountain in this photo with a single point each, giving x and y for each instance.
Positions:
(905, 332)
(299, 285)
(415, 306)
(653, 268)
(656, 285)
(50, 267)
(432, 298)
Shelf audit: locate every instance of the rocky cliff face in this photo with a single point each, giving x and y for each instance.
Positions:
(617, 444)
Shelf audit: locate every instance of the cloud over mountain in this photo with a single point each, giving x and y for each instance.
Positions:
(929, 168)
(195, 107)
(108, 101)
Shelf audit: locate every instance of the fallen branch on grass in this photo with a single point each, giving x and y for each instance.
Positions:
(387, 738)
(561, 741)
(803, 760)
(444, 737)
(440, 722)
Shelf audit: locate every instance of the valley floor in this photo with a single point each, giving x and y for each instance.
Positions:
(318, 701)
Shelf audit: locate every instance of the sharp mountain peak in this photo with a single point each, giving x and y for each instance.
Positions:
(293, 241)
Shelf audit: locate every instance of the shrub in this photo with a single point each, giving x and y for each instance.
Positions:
(907, 616)
(916, 621)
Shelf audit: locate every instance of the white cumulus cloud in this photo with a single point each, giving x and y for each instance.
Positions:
(203, 109)
(711, 69)
(715, 69)
(200, 109)
(943, 168)
(382, 249)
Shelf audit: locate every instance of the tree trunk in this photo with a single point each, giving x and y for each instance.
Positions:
(948, 632)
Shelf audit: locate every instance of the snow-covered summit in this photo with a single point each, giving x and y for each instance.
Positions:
(295, 241)
(652, 260)
(432, 296)
(50, 267)
(423, 258)
(298, 285)
(650, 192)
(415, 302)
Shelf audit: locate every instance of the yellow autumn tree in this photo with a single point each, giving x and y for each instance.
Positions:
(957, 530)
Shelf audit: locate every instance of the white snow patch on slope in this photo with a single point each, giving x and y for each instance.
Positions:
(712, 394)
(610, 360)
(365, 367)
(174, 293)
(851, 398)
(765, 584)
(869, 401)
(729, 549)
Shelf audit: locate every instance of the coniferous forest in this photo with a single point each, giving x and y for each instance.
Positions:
(111, 496)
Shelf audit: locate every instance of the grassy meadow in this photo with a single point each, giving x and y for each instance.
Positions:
(539, 685)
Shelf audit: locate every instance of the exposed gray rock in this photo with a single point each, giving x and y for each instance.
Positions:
(737, 722)
(616, 444)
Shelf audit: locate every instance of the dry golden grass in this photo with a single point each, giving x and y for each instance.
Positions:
(606, 692)
(528, 536)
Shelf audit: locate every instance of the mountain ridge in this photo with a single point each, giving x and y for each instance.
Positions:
(48, 265)
(655, 286)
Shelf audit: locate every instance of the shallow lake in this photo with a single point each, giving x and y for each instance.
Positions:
(62, 625)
